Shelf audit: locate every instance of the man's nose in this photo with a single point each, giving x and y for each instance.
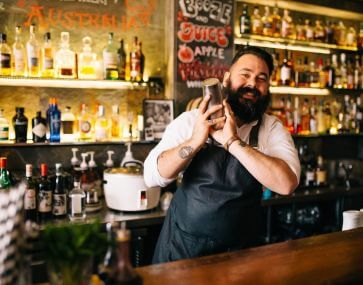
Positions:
(251, 82)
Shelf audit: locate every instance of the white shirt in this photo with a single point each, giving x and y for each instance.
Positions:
(273, 140)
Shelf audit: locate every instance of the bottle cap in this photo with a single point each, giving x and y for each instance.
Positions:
(43, 169)
(28, 170)
(3, 161)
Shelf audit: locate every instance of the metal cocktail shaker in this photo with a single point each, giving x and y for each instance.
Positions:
(212, 87)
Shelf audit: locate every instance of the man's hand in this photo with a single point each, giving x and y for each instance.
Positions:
(203, 125)
(229, 129)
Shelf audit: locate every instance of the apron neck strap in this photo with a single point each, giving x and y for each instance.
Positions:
(253, 140)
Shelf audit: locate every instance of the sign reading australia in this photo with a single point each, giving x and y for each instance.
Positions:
(204, 40)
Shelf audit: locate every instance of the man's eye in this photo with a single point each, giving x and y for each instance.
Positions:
(262, 79)
(245, 75)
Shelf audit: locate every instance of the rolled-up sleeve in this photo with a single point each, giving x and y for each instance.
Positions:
(177, 132)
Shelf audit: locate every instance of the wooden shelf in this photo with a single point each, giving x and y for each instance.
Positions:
(70, 83)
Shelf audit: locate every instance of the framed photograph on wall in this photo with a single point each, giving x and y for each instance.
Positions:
(157, 116)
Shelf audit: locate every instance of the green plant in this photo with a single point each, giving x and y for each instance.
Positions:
(69, 248)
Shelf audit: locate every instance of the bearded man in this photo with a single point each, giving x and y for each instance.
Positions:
(216, 206)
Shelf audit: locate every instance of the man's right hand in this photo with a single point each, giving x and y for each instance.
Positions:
(203, 124)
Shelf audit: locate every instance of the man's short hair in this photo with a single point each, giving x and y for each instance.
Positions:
(259, 52)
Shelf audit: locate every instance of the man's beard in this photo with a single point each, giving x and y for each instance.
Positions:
(245, 109)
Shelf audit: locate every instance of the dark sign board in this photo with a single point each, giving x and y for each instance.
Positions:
(204, 45)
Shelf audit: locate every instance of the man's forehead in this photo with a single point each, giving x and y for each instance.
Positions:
(251, 62)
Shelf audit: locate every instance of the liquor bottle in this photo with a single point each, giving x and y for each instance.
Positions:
(135, 67)
(322, 74)
(256, 23)
(85, 124)
(329, 74)
(19, 55)
(142, 62)
(5, 57)
(321, 173)
(244, 21)
(68, 125)
(39, 128)
(313, 118)
(59, 193)
(47, 53)
(351, 39)
(343, 71)
(33, 54)
(360, 36)
(289, 116)
(285, 72)
(30, 195)
(76, 203)
(319, 33)
(320, 118)
(329, 32)
(305, 118)
(65, 59)
(310, 176)
(350, 75)
(297, 116)
(121, 61)
(287, 26)
(314, 75)
(276, 22)
(116, 123)
(110, 60)
(87, 61)
(101, 125)
(122, 272)
(300, 30)
(94, 191)
(338, 76)
(309, 31)
(359, 115)
(4, 127)
(357, 77)
(20, 124)
(5, 181)
(267, 23)
(341, 34)
(54, 123)
(45, 197)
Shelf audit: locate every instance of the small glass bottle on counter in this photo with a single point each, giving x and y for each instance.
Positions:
(20, 123)
(76, 203)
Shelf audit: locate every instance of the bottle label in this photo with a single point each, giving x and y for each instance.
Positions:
(5, 60)
(55, 124)
(85, 126)
(285, 73)
(48, 63)
(67, 127)
(310, 176)
(19, 62)
(109, 59)
(40, 130)
(76, 204)
(100, 133)
(309, 33)
(45, 201)
(59, 204)
(4, 133)
(30, 199)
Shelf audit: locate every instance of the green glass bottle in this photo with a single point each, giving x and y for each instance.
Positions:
(5, 181)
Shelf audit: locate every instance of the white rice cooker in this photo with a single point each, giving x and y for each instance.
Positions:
(125, 189)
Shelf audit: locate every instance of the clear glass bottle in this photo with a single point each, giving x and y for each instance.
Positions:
(286, 25)
(321, 122)
(276, 22)
(19, 55)
(5, 57)
(244, 21)
(68, 125)
(135, 67)
(33, 53)
(116, 128)
(87, 61)
(341, 34)
(121, 61)
(101, 125)
(59, 208)
(5, 181)
(20, 124)
(305, 118)
(319, 33)
(110, 59)
(267, 22)
(309, 31)
(65, 59)
(338, 77)
(343, 71)
(47, 53)
(351, 39)
(256, 22)
(30, 195)
(4, 127)
(39, 128)
(85, 124)
(285, 72)
(76, 203)
(300, 30)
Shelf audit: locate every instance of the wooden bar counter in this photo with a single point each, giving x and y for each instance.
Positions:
(335, 258)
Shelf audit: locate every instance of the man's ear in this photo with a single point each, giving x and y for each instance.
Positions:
(226, 77)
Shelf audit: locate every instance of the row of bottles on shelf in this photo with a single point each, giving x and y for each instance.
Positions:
(274, 25)
(337, 72)
(67, 127)
(53, 196)
(44, 60)
(324, 117)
